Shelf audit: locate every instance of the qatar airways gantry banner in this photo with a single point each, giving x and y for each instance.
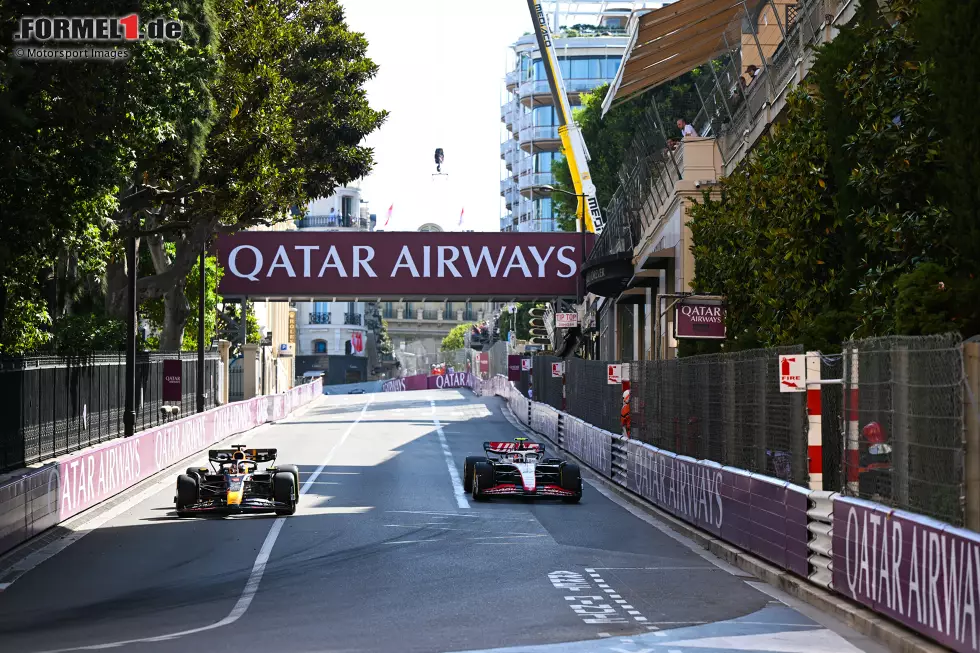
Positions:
(283, 264)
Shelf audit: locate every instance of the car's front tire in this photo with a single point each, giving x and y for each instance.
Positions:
(285, 490)
(468, 470)
(291, 469)
(571, 479)
(482, 479)
(188, 492)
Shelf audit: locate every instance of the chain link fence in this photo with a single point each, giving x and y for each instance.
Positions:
(54, 406)
(590, 397)
(904, 435)
(547, 389)
(723, 407)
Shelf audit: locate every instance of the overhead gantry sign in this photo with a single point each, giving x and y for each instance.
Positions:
(396, 265)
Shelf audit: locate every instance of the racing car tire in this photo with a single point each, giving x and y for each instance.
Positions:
(196, 472)
(468, 465)
(482, 479)
(285, 490)
(188, 492)
(291, 469)
(571, 479)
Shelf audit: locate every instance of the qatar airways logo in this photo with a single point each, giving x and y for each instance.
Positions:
(461, 262)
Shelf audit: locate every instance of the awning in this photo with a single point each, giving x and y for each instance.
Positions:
(674, 40)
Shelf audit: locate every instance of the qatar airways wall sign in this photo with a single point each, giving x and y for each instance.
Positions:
(301, 264)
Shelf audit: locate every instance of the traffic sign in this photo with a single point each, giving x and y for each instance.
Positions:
(792, 373)
(566, 320)
(557, 369)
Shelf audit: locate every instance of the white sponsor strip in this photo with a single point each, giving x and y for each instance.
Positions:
(258, 567)
(453, 474)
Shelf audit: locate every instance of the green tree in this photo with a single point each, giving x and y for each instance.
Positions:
(840, 219)
(455, 339)
(72, 134)
(291, 116)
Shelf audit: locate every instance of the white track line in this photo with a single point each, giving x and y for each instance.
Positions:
(453, 474)
(254, 578)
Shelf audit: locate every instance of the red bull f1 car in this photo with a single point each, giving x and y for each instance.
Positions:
(520, 468)
(237, 486)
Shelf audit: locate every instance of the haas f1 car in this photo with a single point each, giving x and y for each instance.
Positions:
(520, 468)
(236, 485)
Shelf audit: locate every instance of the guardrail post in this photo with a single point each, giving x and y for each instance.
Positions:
(853, 441)
(820, 524)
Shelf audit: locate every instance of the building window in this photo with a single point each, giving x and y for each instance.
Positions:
(319, 346)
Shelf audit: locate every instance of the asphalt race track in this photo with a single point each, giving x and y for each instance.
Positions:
(386, 553)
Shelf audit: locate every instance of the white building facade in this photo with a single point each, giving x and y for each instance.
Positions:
(590, 43)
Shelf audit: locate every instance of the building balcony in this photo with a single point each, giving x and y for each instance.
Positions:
(538, 91)
(512, 79)
(319, 318)
(540, 139)
(527, 184)
(333, 223)
(353, 318)
(511, 196)
(509, 148)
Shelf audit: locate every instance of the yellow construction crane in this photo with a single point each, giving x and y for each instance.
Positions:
(572, 141)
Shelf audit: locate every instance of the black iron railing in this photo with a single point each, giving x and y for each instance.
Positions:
(319, 318)
(353, 318)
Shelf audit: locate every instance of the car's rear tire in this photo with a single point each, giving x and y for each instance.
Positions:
(468, 469)
(292, 469)
(196, 472)
(482, 480)
(188, 492)
(571, 479)
(284, 490)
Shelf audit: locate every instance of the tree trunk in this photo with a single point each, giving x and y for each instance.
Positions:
(176, 311)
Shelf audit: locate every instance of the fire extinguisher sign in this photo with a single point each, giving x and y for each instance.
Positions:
(792, 373)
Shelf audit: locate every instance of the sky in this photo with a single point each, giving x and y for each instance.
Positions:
(441, 70)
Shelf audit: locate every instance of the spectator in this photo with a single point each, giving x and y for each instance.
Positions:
(332, 217)
(686, 129)
(752, 71)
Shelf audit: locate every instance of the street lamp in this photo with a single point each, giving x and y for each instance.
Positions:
(551, 189)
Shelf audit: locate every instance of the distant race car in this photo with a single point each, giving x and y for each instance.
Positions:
(521, 468)
(237, 486)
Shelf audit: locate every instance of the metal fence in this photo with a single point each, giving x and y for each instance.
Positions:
(904, 431)
(722, 407)
(54, 406)
(547, 389)
(589, 395)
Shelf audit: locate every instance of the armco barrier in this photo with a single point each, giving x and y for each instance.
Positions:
(28, 505)
(921, 572)
(86, 478)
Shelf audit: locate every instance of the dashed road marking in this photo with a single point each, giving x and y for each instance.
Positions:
(622, 603)
(458, 489)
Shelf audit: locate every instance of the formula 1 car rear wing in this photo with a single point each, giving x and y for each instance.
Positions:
(511, 447)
